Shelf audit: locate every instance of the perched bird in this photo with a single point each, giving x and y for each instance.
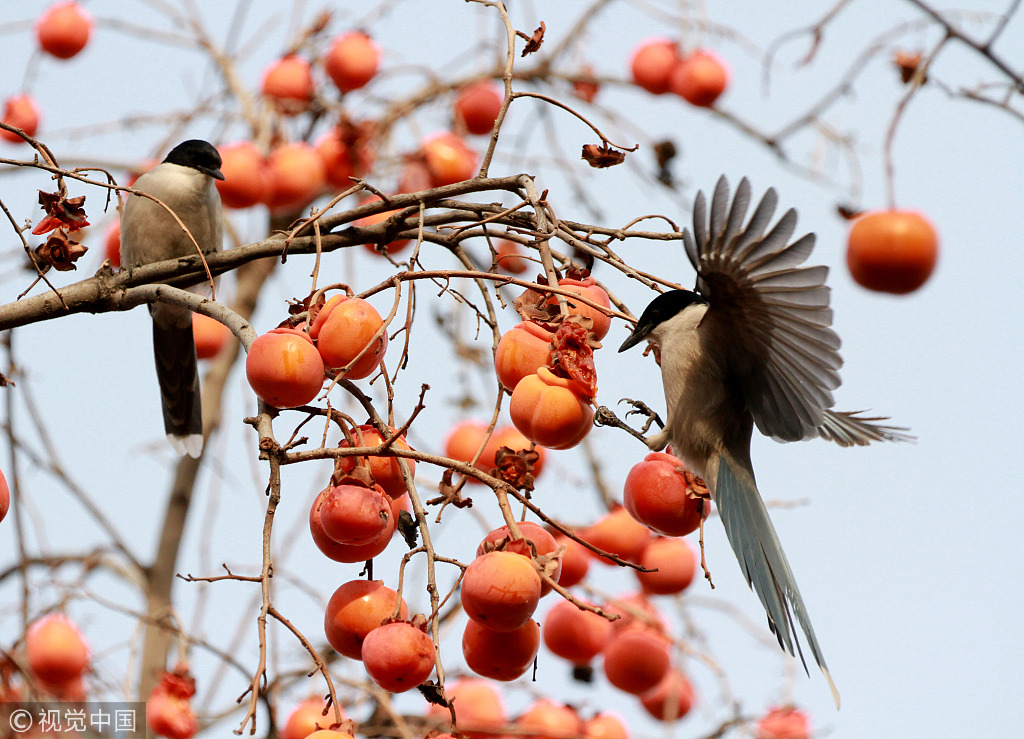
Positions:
(184, 182)
(752, 346)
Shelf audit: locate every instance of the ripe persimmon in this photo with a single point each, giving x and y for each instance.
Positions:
(652, 63)
(308, 716)
(246, 180)
(575, 634)
(209, 334)
(786, 722)
(21, 112)
(521, 351)
(55, 649)
(296, 175)
(478, 105)
(353, 514)
(618, 533)
(63, 29)
(670, 699)
(355, 609)
(348, 553)
(546, 719)
(700, 78)
(448, 159)
(657, 494)
(284, 368)
(892, 251)
(352, 60)
(636, 659)
(500, 655)
(672, 563)
(398, 656)
(343, 328)
(501, 590)
(288, 83)
(546, 410)
(386, 471)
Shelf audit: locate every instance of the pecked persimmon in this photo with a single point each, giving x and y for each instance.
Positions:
(55, 649)
(546, 410)
(448, 159)
(546, 719)
(673, 564)
(353, 514)
(786, 722)
(670, 699)
(296, 174)
(501, 590)
(700, 78)
(385, 470)
(352, 60)
(478, 105)
(347, 552)
(521, 351)
(398, 656)
(63, 29)
(575, 634)
(288, 83)
(500, 655)
(21, 112)
(589, 289)
(169, 706)
(210, 335)
(652, 63)
(892, 251)
(355, 609)
(308, 716)
(284, 368)
(636, 659)
(343, 328)
(657, 494)
(616, 532)
(246, 180)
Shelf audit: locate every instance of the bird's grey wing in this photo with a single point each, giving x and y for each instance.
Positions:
(757, 547)
(848, 428)
(783, 353)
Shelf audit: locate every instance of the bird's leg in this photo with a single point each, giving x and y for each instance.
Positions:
(703, 561)
(697, 488)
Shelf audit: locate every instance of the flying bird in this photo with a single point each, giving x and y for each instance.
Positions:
(184, 182)
(751, 346)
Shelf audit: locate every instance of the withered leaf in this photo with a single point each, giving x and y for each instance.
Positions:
(602, 156)
(533, 43)
(60, 251)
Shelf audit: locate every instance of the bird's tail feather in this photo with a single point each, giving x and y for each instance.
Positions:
(753, 539)
(177, 372)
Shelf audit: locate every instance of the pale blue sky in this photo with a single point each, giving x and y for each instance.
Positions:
(906, 554)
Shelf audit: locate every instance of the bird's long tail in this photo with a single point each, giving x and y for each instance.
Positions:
(760, 555)
(177, 372)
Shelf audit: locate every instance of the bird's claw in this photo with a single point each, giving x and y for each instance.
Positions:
(604, 416)
(641, 408)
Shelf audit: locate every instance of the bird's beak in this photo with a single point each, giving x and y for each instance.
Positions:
(214, 173)
(639, 334)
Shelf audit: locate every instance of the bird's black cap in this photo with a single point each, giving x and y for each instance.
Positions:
(660, 310)
(197, 154)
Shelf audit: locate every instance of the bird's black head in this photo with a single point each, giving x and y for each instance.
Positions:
(197, 154)
(660, 310)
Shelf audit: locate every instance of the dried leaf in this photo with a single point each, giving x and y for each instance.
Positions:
(67, 213)
(434, 694)
(907, 64)
(60, 251)
(516, 467)
(408, 529)
(602, 156)
(533, 43)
